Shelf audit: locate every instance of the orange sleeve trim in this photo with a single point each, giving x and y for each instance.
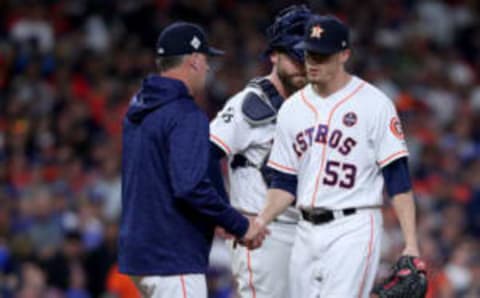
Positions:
(221, 144)
(250, 274)
(184, 288)
(281, 168)
(392, 157)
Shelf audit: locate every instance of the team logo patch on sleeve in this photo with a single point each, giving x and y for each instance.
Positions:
(350, 119)
(396, 128)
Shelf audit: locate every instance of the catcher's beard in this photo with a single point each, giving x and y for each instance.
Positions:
(291, 82)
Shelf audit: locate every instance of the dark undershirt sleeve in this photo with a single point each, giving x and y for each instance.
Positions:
(286, 182)
(397, 177)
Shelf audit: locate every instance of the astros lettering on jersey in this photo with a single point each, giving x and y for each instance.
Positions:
(337, 145)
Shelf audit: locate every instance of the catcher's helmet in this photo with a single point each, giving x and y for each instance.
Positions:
(288, 30)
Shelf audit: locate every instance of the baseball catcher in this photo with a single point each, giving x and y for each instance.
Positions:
(408, 280)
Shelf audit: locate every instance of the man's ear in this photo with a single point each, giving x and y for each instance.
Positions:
(197, 57)
(274, 57)
(193, 61)
(345, 55)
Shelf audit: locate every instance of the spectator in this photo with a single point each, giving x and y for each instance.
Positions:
(69, 68)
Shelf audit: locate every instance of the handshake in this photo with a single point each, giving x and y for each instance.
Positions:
(256, 233)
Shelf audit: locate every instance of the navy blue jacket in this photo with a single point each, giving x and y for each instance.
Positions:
(169, 207)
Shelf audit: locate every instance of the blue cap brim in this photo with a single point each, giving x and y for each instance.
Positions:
(296, 53)
(306, 46)
(291, 51)
(215, 52)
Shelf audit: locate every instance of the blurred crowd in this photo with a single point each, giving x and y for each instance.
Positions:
(69, 67)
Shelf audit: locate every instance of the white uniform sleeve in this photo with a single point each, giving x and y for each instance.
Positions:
(229, 131)
(283, 157)
(388, 136)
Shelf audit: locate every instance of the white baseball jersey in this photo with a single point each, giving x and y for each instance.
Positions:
(235, 135)
(337, 145)
(263, 272)
(337, 259)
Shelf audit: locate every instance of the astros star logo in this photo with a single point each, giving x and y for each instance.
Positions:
(316, 31)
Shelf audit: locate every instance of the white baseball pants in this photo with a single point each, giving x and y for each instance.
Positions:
(175, 286)
(263, 272)
(338, 259)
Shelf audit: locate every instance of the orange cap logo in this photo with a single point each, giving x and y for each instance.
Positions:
(316, 31)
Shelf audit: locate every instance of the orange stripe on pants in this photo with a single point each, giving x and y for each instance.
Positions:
(370, 244)
(250, 273)
(184, 288)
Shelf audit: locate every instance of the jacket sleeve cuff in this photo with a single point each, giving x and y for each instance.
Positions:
(238, 224)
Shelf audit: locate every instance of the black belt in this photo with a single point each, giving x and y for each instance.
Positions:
(240, 161)
(321, 216)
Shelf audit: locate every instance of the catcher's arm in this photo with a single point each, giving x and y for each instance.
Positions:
(404, 206)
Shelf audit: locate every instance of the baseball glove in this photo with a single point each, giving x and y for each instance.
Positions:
(408, 280)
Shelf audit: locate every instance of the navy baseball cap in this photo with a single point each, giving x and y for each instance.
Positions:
(181, 38)
(325, 35)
